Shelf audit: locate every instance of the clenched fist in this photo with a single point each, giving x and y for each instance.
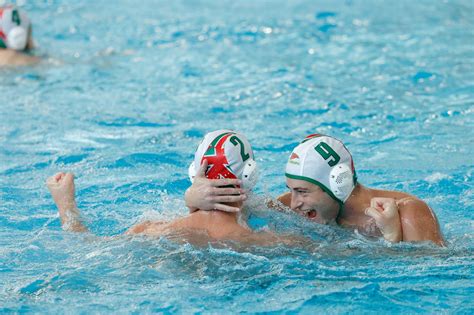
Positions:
(385, 213)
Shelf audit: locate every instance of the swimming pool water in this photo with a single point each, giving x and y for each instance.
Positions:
(126, 93)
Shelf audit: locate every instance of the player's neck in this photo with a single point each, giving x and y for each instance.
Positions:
(357, 202)
(222, 216)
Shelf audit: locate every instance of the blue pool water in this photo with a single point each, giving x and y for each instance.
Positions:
(129, 88)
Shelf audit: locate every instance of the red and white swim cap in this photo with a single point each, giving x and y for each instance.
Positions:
(14, 28)
(228, 154)
(325, 162)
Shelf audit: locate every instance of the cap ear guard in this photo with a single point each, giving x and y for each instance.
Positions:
(17, 38)
(249, 174)
(191, 172)
(341, 179)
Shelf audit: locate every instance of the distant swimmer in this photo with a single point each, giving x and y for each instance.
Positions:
(323, 186)
(16, 38)
(222, 154)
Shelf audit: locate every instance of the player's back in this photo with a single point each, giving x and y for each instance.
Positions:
(217, 225)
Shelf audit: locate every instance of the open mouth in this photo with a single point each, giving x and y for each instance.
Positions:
(310, 213)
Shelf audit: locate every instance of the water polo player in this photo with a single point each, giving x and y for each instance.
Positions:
(15, 37)
(324, 188)
(222, 154)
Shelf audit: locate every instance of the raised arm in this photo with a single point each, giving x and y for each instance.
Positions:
(407, 220)
(211, 194)
(63, 192)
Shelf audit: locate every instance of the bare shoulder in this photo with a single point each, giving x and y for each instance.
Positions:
(414, 210)
(10, 57)
(285, 198)
(146, 227)
(419, 222)
(281, 203)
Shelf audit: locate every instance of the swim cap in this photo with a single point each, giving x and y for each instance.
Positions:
(228, 154)
(14, 28)
(325, 162)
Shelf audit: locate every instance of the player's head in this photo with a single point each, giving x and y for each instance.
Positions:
(15, 28)
(228, 155)
(321, 176)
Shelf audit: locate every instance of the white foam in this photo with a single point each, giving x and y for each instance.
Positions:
(436, 177)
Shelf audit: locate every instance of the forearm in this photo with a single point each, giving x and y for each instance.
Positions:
(393, 237)
(71, 218)
(188, 200)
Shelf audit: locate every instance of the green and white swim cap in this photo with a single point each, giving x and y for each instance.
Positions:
(228, 154)
(325, 162)
(14, 28)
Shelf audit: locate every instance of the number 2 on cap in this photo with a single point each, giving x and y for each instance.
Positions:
(16, 17)
(234, 140)
(327, 152)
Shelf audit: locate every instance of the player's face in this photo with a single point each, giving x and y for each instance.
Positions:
(310, 201)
